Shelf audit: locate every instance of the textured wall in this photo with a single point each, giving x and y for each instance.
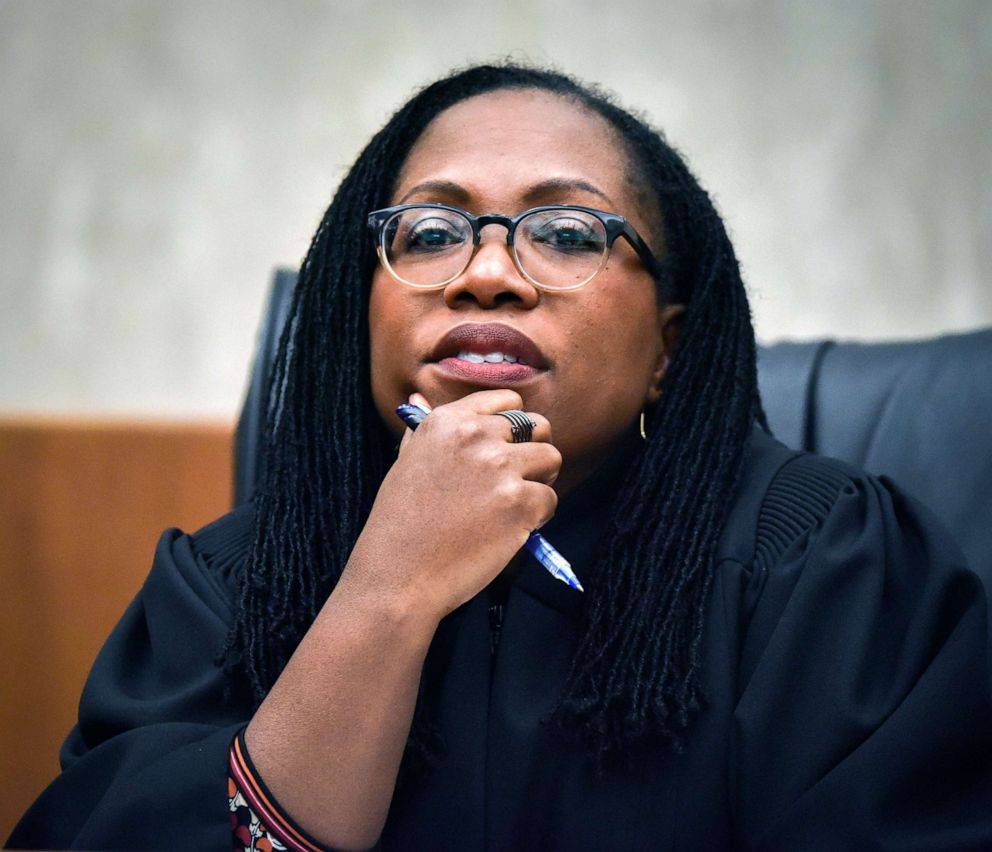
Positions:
(157, 159)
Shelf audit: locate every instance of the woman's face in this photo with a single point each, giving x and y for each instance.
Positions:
(597, 354)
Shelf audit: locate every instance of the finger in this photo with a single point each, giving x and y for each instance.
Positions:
(487, 402)
(407, 435)
(543, 501)
(542, 427)
(420, 400)
(538, 462)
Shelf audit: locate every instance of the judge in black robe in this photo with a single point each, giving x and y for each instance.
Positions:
(846, 673)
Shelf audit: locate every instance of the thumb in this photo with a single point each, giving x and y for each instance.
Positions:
(421, 400)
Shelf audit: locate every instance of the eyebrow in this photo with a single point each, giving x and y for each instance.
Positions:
(535, 194)
(442, 187)
(552, 186)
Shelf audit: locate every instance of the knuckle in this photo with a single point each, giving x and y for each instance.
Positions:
(509, 489)
(465, 430)
(493, 457)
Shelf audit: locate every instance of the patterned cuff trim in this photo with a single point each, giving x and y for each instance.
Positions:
(261, 801)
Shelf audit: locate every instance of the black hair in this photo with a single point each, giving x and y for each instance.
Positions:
(636, 672)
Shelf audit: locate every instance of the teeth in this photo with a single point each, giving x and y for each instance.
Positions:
(489, 358)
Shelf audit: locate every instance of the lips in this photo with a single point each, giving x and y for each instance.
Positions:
(485, 338)
(488, 354)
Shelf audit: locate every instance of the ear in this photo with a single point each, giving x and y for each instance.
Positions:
(669, 325)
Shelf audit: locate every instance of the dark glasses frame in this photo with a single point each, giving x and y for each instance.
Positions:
(614, 224)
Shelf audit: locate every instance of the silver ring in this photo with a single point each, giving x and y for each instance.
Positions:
(521, 426)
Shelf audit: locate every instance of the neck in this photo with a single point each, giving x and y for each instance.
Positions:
(616, 457)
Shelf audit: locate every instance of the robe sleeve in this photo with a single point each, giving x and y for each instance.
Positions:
(146, 765)
(864, 718)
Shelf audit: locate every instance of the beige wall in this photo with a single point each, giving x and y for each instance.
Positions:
(158, 158)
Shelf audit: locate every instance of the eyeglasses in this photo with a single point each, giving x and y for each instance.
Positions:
(556, 248)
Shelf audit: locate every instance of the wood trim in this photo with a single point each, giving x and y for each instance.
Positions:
(82, 503)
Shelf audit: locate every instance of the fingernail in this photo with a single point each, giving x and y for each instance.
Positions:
(420, 400)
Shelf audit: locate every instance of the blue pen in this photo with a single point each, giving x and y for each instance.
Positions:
(556, 564)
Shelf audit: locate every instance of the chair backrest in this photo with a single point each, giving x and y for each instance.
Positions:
(251, 423)
(919, 412)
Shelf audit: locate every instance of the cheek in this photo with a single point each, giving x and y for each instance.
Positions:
(612, 352)
(392, 316)
(388, 330)
(619, 344)
(379, 316)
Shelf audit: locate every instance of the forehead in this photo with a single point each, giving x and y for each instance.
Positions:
(499, 145)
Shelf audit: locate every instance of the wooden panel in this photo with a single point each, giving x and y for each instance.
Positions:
(82, 504)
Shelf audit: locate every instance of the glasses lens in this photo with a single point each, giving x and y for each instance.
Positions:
(560, 249)
(424, 246)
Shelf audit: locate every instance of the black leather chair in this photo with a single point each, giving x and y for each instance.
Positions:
(251, 424)
(919, 412)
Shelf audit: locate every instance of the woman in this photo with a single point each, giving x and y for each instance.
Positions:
(770, 651)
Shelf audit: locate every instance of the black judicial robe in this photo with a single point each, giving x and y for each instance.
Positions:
(847, 677)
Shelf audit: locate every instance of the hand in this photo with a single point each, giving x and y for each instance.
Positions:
(458, 503)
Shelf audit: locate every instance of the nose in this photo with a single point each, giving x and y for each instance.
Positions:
(492, 279)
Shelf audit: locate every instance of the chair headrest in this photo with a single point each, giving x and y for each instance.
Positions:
(919, 412)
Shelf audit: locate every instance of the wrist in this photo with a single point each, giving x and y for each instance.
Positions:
(393, 608)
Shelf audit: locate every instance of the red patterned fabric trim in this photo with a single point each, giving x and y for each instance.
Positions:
(248, 832)
(257, 822)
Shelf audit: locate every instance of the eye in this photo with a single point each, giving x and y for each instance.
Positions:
(433, 233)
(567, 232)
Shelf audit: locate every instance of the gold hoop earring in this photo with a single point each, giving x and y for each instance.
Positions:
(644, 433)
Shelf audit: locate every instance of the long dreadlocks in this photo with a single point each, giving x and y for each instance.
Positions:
(636, 670)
